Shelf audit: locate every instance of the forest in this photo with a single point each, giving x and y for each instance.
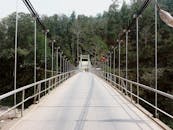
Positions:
(96, 35)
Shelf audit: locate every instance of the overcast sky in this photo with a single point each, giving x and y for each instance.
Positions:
(50, 7)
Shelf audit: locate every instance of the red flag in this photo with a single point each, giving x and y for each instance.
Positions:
(103, 59)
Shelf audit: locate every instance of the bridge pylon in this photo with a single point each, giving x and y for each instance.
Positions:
(85, 63)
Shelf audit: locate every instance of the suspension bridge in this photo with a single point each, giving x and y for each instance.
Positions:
(83, 96)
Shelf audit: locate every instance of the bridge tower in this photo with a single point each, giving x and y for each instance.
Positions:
(84, 63)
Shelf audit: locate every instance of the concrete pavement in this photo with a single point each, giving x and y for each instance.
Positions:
(85, 102)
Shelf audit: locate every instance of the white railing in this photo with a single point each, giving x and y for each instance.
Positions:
(42, 88)
(127, 86)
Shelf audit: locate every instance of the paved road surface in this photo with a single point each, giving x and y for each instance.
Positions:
(85, 102)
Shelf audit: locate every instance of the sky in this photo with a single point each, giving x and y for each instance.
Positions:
(50, 7)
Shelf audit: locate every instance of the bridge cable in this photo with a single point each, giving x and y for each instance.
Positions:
(34, 13)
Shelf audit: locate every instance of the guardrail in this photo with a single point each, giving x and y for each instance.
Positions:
(127, 86)
(43, 86)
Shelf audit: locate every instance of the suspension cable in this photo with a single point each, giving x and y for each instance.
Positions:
(34, 13)
(139, 12)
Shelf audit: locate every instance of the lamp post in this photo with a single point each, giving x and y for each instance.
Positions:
(137, 55)
(45, 54)
(126, 55)
(64, 63)
(108, 65)
(16, 44)
(105, 68)
(114, 60)
(57, 59)
(68, 65)
(156, 42)
(119, 59)
(126, 58)
(110, 69)
(64, 67)
(60, 67)
(137, 52)
(53, 57)
(78, 47)
(35, 52)
(60, 62)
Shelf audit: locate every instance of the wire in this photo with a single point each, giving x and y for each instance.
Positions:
(34, 13)
(139, 12)
(143, 7)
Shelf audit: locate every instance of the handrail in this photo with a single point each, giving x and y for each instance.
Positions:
(118, 80)
(145, 86)
(52, 82)
(30, 85)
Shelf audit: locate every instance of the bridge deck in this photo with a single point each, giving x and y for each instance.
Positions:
(85, 102)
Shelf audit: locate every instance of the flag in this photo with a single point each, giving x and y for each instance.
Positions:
(103, 59)
(166, 17)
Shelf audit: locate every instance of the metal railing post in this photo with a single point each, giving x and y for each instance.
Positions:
(121, 84)
(131, 90)
(56, 81)
(23, 104)
(115, 79)
(49, 87)
(39, 92)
